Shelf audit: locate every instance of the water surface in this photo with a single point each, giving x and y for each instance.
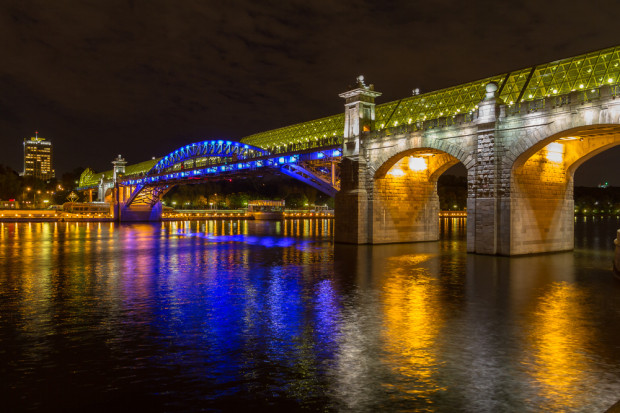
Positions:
(249, 315)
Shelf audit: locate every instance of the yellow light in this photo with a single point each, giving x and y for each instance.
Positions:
(555, 152)
(396, 172)
(417, 164)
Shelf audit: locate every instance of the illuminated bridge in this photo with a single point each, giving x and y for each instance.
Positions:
(521, 135)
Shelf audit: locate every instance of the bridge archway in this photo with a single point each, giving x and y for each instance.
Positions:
(405, 205)
(541, 187)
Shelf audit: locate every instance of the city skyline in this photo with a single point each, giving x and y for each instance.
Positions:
(146, 83)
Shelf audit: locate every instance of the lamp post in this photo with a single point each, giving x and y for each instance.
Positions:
(25, 196)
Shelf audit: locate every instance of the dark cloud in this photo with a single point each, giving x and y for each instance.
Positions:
(142, 77)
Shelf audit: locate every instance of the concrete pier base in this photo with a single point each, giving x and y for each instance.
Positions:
(137, 213)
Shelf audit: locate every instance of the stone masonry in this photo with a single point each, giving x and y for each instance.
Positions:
(520, 163)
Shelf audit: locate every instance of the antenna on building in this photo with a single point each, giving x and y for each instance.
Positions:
(36, 134)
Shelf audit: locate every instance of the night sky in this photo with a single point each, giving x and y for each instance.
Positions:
(142, 78)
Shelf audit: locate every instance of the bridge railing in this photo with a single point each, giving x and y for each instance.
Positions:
(529, 106)
(573, 98)
(456, 120)
(309, 144)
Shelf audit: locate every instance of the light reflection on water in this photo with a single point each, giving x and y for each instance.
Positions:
(181, 316)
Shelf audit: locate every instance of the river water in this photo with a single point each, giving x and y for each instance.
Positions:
(251, 315)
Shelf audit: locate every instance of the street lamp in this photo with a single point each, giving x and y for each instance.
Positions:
(24, 196)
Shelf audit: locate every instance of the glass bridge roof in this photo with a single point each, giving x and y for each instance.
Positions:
(311, 131)
(90, 178)
(583, 72)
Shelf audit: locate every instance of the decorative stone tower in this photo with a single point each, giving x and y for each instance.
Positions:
(353, 224)
(119, 167)
(359, 115)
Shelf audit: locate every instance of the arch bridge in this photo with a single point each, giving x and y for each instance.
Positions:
(520, 135)
(139, 197)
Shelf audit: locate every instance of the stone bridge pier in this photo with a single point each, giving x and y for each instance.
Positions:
(520, 165)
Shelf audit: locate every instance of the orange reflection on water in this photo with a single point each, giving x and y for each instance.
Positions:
(559, 338)
(413, 320)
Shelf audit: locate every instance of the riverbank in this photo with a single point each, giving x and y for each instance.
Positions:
(46, 215)
(32, 215)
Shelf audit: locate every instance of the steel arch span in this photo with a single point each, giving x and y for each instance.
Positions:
(207, 149)
(208, 159)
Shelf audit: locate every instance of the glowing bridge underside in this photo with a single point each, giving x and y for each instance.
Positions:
(209, 159)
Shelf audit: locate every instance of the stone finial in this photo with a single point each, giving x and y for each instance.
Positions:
(360, 81)
(490, 88)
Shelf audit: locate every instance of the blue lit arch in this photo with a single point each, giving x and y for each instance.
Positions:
(209, 148)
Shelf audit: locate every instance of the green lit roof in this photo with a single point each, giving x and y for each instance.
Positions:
(91, 178)
(583, 72)
(312, 130)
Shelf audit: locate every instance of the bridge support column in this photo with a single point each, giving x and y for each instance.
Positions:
(139, 213)
(352, 207)
(488, 204)
(132, 213)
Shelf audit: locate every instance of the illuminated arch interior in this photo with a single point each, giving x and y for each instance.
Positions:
(542, 185)
(406, 204)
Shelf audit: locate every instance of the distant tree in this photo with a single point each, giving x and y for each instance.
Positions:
(452, 192)
(598, 201)
(295, 201)
(202, 201)
(68, 179)
(238, 200)
(10, 183)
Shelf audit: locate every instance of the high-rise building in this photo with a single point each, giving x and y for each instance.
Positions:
(38, 158)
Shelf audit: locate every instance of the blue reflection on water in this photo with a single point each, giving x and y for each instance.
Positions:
(265, 241)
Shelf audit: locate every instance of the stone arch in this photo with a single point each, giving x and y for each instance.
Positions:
(533, 139)
(541, 185)
(388, 157)
(405, 203)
